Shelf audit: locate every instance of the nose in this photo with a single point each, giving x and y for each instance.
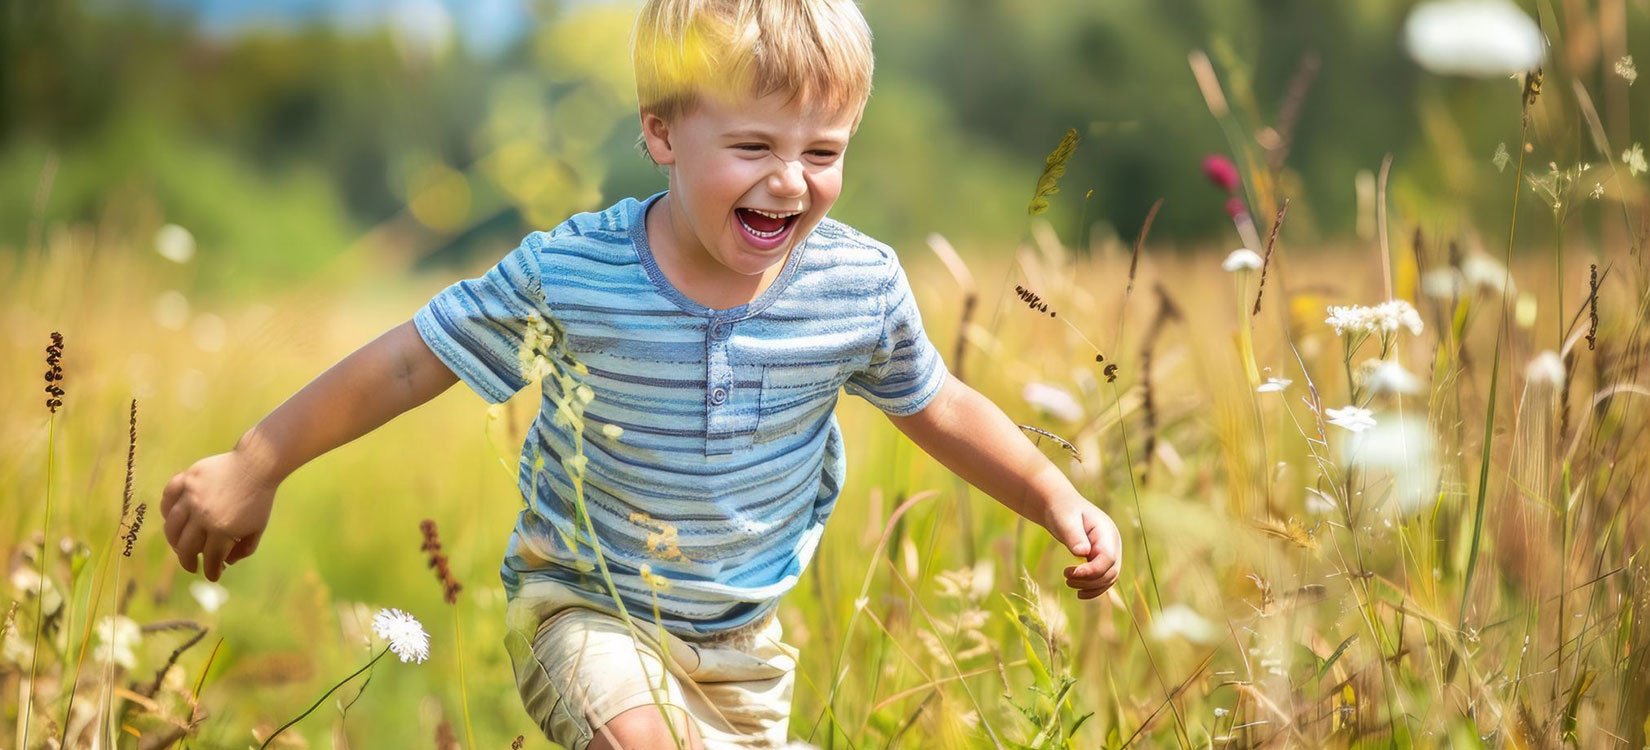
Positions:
(786, 180)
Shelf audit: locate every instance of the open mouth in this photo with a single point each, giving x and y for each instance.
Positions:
(765, 229)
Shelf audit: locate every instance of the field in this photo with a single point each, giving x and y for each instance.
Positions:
(1289, 581)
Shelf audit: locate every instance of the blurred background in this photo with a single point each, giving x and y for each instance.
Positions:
(283, 134)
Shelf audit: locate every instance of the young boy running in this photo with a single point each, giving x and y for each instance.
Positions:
(716, 323)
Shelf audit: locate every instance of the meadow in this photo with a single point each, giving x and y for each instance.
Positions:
(1289, 581)
(1379, 491)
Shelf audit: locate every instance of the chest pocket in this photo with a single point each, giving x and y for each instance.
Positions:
(794, 400)
(733, 409)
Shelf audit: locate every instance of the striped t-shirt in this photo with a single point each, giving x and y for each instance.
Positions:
(730, 459)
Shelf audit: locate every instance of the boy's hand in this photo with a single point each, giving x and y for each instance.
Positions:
(1090, 534)
(217, 510)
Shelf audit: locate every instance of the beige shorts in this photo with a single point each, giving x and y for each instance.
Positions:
(577, 668)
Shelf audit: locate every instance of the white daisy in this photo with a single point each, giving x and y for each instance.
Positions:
(407, 638)
(1242, 259)
(1352, 418)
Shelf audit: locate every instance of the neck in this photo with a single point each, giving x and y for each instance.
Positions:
(690, 267)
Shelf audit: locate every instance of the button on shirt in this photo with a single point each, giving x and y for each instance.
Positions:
(730, 459)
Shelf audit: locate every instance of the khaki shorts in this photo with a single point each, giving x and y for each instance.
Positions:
(577, 667)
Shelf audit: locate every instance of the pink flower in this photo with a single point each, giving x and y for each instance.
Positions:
(1221, 171)
(1235, 207)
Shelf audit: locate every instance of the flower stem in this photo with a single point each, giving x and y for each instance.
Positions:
(463, 691)
(323, 697)
(40, 593)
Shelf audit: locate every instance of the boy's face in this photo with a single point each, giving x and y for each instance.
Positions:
(749, 177)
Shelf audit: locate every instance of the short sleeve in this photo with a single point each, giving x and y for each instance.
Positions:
(905, 371)
(476, 326)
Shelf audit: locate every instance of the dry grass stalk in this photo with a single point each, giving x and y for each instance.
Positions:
(1167, 311)
(970, 295)
(1266, 261)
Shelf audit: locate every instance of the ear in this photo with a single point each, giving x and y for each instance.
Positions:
(656, 136)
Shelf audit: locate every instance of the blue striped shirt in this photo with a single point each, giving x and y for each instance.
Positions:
(730, 460)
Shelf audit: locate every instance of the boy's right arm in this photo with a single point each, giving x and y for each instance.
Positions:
(218, 508)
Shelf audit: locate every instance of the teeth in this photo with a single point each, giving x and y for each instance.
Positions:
(773, 215)
(759, 233)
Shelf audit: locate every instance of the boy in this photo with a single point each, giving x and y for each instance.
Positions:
(715, 323)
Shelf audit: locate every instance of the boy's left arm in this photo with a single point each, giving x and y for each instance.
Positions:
(967, 433)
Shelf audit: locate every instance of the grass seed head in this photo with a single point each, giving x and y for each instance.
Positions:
(432, 545)
(54, 373)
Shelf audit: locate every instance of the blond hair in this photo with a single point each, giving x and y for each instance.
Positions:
(818, 50)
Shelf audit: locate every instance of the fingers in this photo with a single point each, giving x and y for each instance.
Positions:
(212, 555)
(1091, 586)
(244, 549)
(169, 496)
(190, 542)
(175, 524)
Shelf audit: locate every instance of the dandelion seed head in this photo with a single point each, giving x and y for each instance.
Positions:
(407, 638)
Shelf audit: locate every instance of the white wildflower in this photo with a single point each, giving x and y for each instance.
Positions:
(1354, 418)
(406, 636)
(1396, 313)
(175, 243)
(1242, 259)
(1627, 70)
(1386, 317)
(117, 636)
(1478, 38)
(209, 595)
(1353, 318)
(1181, 621)
(1501, 158)
(1400, 448)
(1483, 272)
(1053, 400)
(1546, 368)
(1597, 191)
(1634, 159)
(1386, 376)
(28, 584)
(1273, 385)
(1442, 283)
